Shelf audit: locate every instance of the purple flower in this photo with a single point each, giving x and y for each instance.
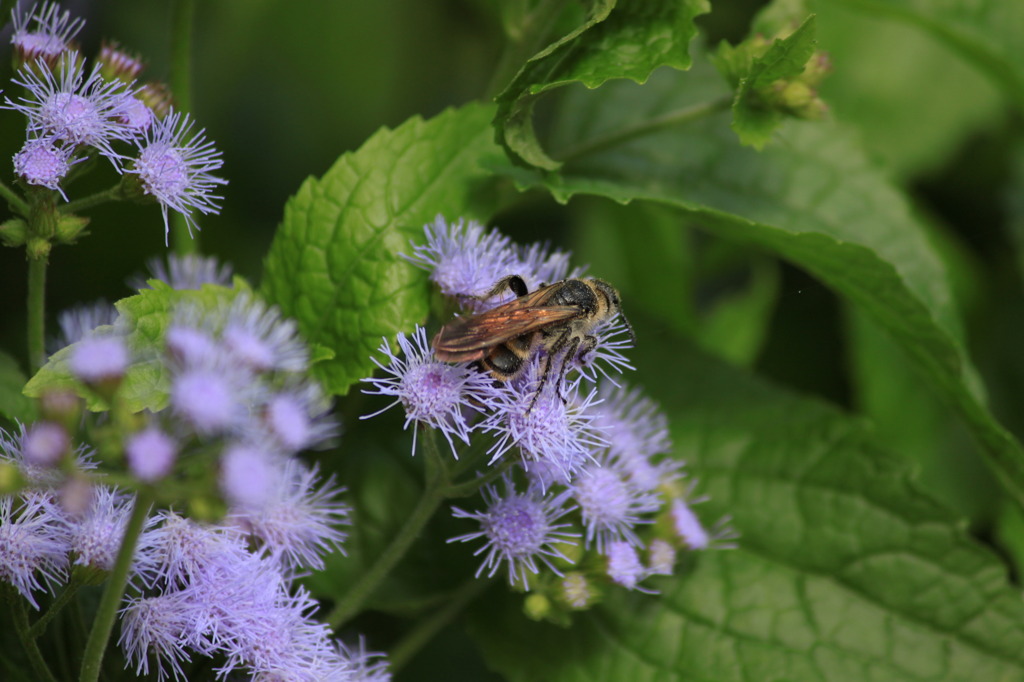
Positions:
(299, 521)
(538, 265)
(164, 626)
(636, 431)
(12, 449)
(610, 506)
(134, 114)
(96, 535)
(433, 393)
(34, 545)
(76, 323)
(212, 399)
(190, 271)
(52, 33)
(189, 345)
(519, 529)
(275, 636)
(97, 359)
(555, 436)
(692, 532)
(624, 565)
(257, 336)
(687, 526)
(43, 163)
(362, 665)
(175, 166)
(72, 108)
(182, 550)
(464, 258)
(151, 454)
(248, 474)
(298, 418)
(44, 444)
(250, 617)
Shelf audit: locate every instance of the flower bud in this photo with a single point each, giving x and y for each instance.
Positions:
(13, 232)
(116, 63)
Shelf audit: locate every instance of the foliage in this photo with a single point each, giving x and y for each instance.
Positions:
(827, 314)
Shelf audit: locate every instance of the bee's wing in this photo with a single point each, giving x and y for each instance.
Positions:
(469, 338)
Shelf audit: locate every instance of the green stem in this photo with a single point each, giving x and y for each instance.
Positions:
(182, 241)
(666, 120)
(413, 641)
(36, 311)
(16, 202)
(470, 487)
(529, 36)
(28, 643)
(62, 599)
(111, 194)
(431, 498)
(103, 625)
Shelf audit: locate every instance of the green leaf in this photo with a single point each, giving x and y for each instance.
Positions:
(334, 263)
(911, 420)
(814, 200)
(13, 404)
(845, 570)
(988, 32)
(627, 41)
(145, 317)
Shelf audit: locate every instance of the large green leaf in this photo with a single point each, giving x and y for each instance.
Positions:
(613, 41)
(814, 199)
(845, 570)
(334, 263)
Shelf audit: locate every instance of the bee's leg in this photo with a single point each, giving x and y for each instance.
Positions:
(545, 370)
(589, 344)
(564, 339)
(570, 353)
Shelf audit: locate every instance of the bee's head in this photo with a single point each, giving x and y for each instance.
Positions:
(611, 294)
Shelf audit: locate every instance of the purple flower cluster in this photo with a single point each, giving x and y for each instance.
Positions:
(240, 408)
(205, 592)
(72, 111)
(593, 456)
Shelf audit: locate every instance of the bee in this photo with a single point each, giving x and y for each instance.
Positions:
(556, 317)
